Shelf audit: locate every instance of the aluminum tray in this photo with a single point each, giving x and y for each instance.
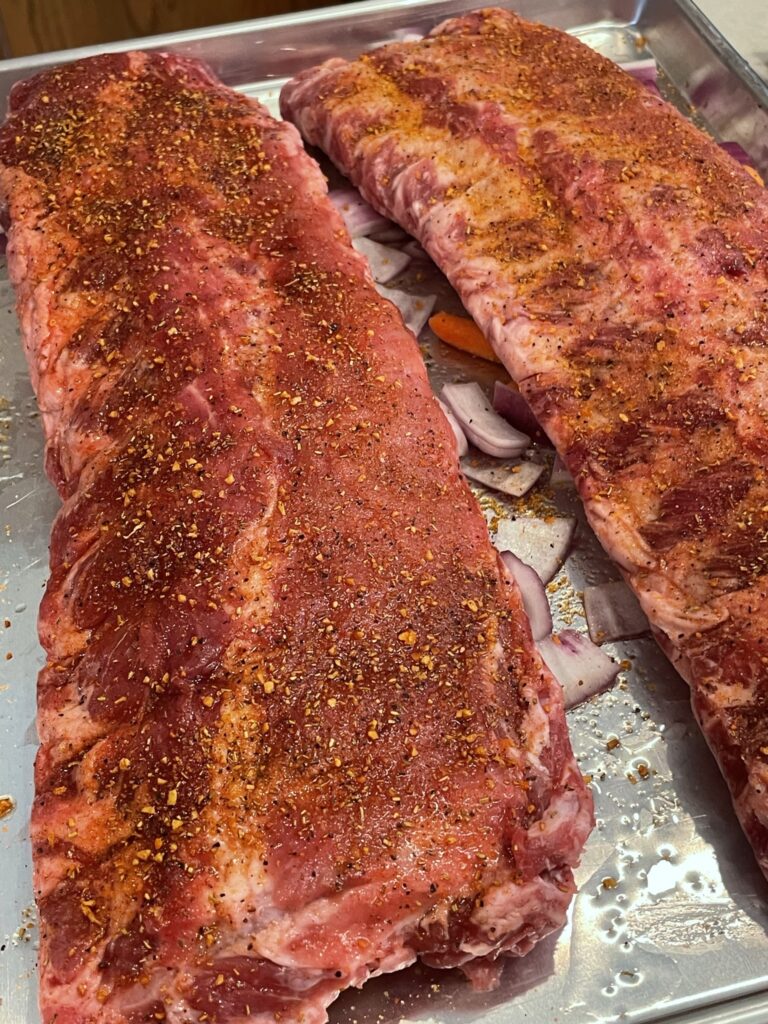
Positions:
(682, 935)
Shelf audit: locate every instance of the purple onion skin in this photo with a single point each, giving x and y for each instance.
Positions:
(533, 593)
(510, 404)
(737, 151)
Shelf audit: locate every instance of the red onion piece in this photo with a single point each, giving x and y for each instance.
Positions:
(408, 35)
(737, 151)
(392, 235)
(509, 403)
(415, 251)
(613, 613)
(741, 156)
(483, 975)
(541, 543)
(400, 35)
(533, 594)
(359, 217)
(385, 262)
(646, 71)
(560, 477)
(512, 478)
(580, 667)
(414, 309)
(484, 427)
(653, 87)
(458, 433)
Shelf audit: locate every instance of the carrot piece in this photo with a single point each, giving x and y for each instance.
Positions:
(750, 170)
(462, 333)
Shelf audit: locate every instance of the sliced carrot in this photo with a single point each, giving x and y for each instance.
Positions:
(750, 170)
(462, 333)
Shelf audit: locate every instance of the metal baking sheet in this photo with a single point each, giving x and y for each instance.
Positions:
(671, 920)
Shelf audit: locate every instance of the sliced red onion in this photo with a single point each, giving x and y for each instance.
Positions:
(385, 262)
(509, 403)
(580, 667)
(392, 235)
(613, 613)
(533, 594)
(458, 433)
(541, 543)
(399, 35)
(738, 153)
(414, 309)
(512, 478)
(484, 427)
(415, 251)
(646, 71)
(407, 35)
(359, 217)
(560, 477)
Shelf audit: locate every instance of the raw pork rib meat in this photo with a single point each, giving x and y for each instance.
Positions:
(294, 728)
(616, 258)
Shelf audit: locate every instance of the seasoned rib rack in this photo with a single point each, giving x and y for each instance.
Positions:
(616, 259)
(294, 731)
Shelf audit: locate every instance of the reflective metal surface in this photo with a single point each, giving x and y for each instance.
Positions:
(671, 921)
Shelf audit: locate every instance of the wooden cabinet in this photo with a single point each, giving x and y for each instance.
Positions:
(35, 26)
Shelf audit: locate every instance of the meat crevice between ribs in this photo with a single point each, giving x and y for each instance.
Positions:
(616, 259)
(294, 730)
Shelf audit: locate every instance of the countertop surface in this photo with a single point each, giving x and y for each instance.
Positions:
(744, 23)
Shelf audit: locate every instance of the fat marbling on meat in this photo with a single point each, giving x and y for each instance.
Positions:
(294, 730)
(616, 259)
